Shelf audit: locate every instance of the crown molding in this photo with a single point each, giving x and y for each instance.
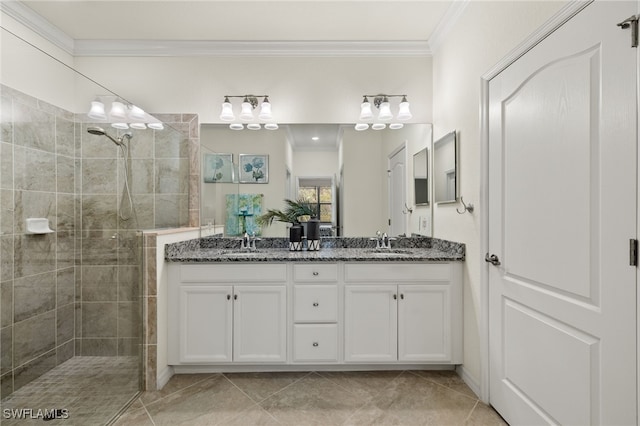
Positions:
(447, 22)
(36, 23)
(39, 25)
(249, 48)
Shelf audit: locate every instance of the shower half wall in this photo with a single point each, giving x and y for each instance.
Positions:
(77, 291)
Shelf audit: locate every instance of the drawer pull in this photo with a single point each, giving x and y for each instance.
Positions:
(316, 273)
(315, 344)
(316, 304)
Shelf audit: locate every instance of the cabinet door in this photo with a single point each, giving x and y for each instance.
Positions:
(371, 318)
(424, 324)
(260, 331)
(205, 323)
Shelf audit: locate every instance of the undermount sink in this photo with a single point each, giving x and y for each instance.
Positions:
(234, 253)
(388, 252)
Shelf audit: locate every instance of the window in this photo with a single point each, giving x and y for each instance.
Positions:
(318, 191)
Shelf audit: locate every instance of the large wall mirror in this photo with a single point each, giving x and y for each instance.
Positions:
(445, 170)
(343, 171)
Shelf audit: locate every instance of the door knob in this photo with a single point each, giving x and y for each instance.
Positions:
(493, 259)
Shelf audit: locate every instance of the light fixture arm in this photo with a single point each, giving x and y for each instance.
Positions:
(252, 99)
(382, 97)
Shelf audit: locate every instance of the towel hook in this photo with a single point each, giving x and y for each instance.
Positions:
(467, 207)
(407, 209)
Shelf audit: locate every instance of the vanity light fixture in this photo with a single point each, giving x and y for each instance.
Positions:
(249, 103)
(122, 115)
(381, 101)
(97, 111)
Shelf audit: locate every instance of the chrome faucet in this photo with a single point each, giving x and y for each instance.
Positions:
(382, 240)
(249, 241)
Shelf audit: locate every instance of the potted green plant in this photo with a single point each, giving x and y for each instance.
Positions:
(291, 214)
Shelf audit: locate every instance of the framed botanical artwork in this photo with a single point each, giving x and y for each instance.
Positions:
(218, 168)
(254, 168)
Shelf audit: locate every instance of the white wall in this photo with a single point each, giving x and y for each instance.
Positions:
(302, 89)
(363, 188)
(315, 163)
(27, 69)
(484, 34)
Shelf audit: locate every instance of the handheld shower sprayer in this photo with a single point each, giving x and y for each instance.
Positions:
(126, 195)
(99, 131)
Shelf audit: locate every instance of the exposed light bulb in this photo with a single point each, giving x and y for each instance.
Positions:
(361, 126)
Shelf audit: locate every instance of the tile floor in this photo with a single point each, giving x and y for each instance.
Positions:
(92, 389)
(312, 398)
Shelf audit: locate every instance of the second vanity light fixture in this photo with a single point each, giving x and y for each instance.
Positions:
(249, 103)
(381, 101)
(122, 115)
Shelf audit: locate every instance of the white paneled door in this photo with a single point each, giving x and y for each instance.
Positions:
(562, 210)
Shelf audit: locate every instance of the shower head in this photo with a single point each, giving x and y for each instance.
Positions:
(99, 131)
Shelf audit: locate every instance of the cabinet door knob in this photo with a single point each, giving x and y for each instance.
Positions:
(315, 343)
(228, 297)
(401, 296)
(395, 297)
(315, 304)
(316, 273)
(235, 297)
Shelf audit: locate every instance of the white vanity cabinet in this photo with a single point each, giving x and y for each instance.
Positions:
(251, 316)
(403, 313)
(227, 313)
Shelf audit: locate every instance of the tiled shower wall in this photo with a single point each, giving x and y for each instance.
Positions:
(37, 276)
(77, 291)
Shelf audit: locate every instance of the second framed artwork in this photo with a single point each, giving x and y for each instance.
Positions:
(254, 168)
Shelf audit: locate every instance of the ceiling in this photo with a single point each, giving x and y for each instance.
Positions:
(386, 26)
(242, 20)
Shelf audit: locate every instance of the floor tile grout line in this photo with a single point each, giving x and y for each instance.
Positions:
(211, 375)
(255, 403)
(471, 412)
(276, 392)
(444, 386)
(149, 415)
(353, 393)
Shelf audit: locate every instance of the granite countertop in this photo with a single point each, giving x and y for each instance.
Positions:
(215, 250)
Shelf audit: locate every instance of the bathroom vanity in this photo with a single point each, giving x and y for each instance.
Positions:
(338, 308)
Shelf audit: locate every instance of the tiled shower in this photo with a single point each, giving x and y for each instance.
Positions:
(77, 292)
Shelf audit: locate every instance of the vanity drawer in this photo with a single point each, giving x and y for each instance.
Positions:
(315, 303)
(315, 272)
(315, 342)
